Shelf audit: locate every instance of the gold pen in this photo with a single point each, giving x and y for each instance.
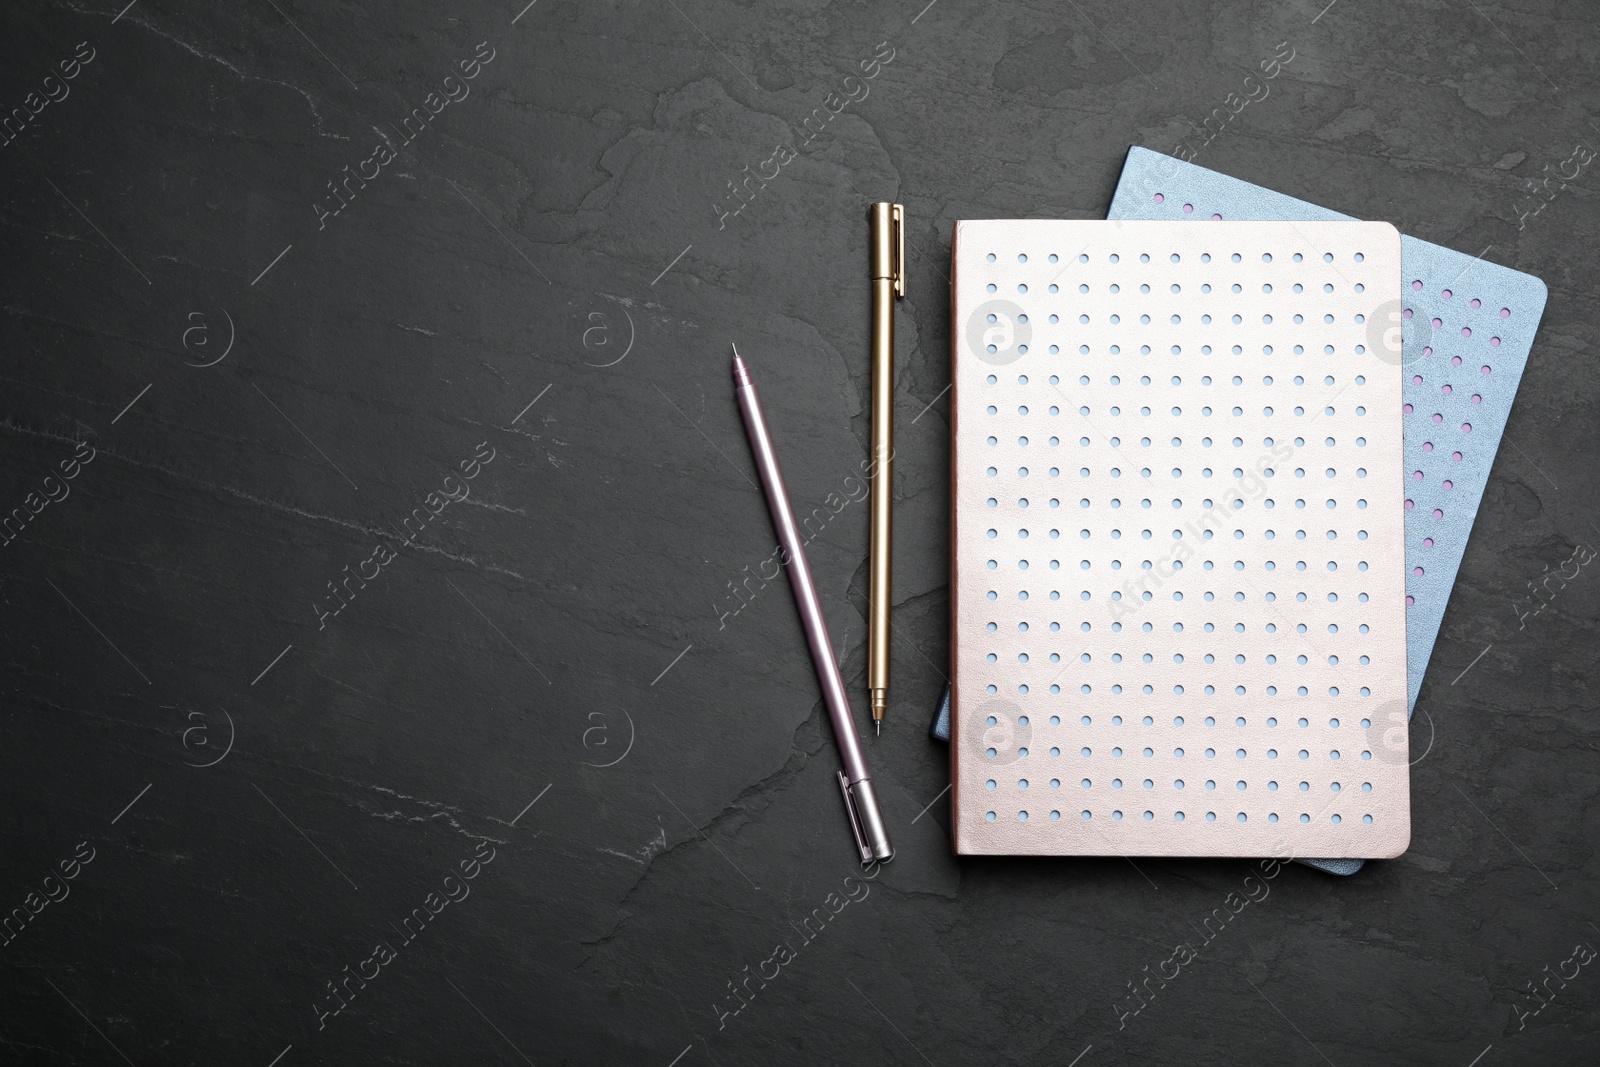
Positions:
(888, 254)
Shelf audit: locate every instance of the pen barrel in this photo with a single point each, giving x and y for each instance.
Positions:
(800, 580)
(880, 592)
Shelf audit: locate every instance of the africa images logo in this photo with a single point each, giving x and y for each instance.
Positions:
(998, 332)
(1397, 336)
(999, 732)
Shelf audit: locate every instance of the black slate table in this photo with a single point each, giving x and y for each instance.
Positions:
(388, 672)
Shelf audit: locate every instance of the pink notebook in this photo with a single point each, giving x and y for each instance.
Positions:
(1178, 566)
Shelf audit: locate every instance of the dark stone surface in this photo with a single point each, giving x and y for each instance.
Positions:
(515, 251)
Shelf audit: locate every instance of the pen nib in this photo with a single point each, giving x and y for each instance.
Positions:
(879, 726)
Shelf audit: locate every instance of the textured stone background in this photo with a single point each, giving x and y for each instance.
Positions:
(554, 237)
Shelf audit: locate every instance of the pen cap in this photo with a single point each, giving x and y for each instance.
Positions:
(866, 821)
(888, 244)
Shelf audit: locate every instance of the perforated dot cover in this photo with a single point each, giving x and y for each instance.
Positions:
(1178, 565)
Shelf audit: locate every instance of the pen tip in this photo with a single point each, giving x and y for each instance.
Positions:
(879, 725)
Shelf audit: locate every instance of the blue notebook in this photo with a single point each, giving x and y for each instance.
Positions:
(1461, 328)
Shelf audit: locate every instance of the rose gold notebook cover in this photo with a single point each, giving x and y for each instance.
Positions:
(1178, 569)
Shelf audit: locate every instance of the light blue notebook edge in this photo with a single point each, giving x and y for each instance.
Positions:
(1204, 195)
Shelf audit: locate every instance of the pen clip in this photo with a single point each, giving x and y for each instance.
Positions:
(897, 214)
(855, 820)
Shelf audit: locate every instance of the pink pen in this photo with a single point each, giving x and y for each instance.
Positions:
(855, 782)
